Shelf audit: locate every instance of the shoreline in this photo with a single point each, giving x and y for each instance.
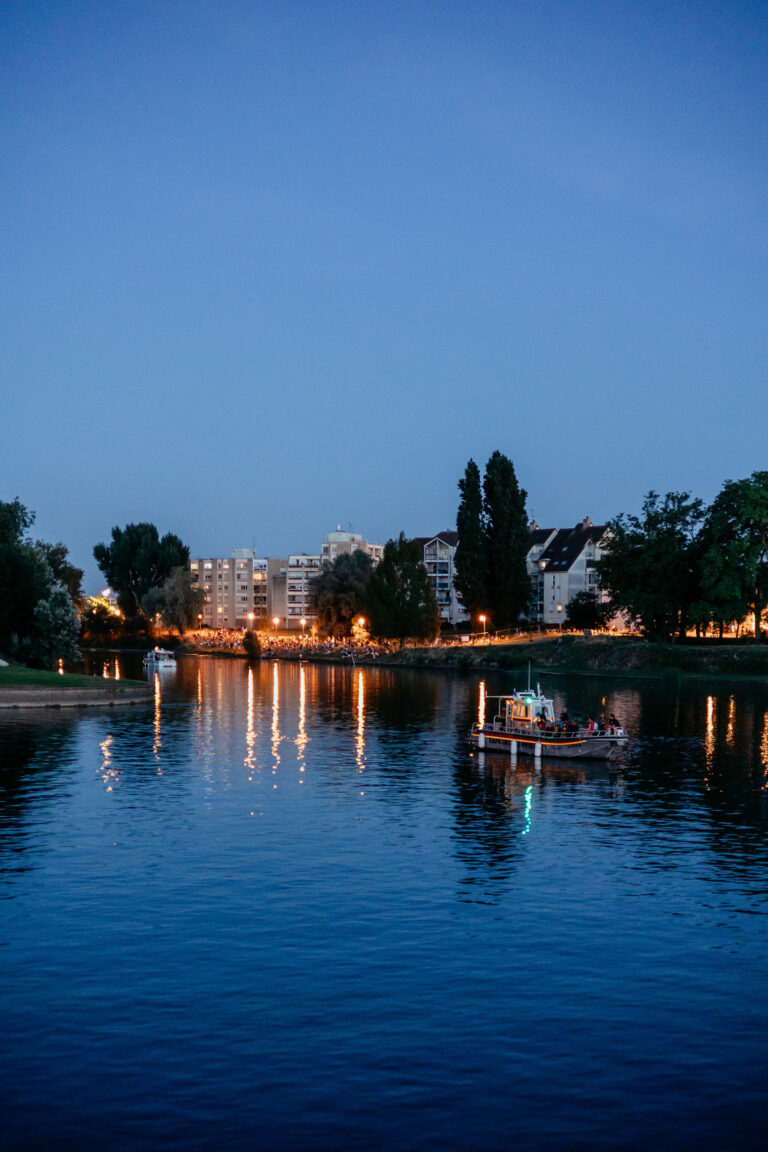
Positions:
(572, 654)
(109, 693)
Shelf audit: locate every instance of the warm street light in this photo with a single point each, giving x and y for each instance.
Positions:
(482, 621)
(303, 623)
(275, 621)
(250, 620)
(361, 620)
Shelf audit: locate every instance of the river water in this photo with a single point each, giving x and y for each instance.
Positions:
(285, 908)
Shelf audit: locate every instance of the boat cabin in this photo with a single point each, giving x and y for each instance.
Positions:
(524, 709)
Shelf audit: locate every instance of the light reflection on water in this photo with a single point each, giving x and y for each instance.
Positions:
(284, 907)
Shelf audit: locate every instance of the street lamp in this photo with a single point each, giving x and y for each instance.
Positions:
(482, 621)
(250, 620)
(275, 621)
(303, 623)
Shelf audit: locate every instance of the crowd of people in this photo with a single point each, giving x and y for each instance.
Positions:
(276, 645)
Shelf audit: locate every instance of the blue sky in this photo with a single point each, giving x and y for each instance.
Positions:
(271, 267)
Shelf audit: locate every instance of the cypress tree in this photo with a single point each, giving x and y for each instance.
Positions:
(506, 536)
(471, 560)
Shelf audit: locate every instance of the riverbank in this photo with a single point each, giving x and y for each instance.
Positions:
(623, 655)
(30, 688)
(596, 654)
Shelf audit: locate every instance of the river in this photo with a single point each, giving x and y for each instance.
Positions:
(285, 908)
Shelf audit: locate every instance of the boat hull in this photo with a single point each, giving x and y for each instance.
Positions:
(581, 747)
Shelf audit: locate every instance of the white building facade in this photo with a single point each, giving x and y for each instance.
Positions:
(438, 554)
(567, 564)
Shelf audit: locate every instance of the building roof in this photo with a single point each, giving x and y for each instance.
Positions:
(568, 545)
(448, 537)
(538, 536)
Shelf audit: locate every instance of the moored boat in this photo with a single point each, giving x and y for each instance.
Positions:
(159, 658)
(524, 722)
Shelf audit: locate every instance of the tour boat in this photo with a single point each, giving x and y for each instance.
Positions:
(524, 722)
(159, 658)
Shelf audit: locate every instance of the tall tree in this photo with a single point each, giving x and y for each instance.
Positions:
(471, 559)
(178, 602)
(56, 629)
(137, 560)
(338, 593)
(64, 572)
(735, 563)
(25, 575)
(584, 610)
(506, 533)
(648, 563)
(401, 600)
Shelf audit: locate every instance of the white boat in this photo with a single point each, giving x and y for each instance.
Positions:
(159, 658)
(524, 722)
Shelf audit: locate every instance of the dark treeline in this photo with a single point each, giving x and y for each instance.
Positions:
(40, 592)
(682, 565)
(679, 565)
(395, 598)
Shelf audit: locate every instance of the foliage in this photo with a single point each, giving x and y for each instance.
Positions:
(25, 576)
(649, 563)
(99, 622)
(735, 558)
(252, 645)
(506, 529)
(338, 593)
(137, 561)
(471, 560)
(177, 601)
(491, 575)
(56, 630)
(64, 573)
(401, 600)
(584, 610)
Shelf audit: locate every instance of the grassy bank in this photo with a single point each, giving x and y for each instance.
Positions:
(598, 654)
(16, 677)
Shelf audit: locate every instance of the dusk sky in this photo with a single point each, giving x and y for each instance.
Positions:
(272, 267)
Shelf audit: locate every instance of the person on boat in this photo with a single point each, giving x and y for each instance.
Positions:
(563, 721)
(591, 725)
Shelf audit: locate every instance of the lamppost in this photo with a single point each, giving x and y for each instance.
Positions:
(482, 621)
(250, 621)
(275, 621)
(303, 623)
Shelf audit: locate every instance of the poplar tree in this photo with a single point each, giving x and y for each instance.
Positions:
(506, 535)
(470, 563)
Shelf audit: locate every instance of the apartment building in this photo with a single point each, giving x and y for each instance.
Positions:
(567, 565)
(242, 588)
(338, 543)
(235, 587)
(301, 569)
(438, 553)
